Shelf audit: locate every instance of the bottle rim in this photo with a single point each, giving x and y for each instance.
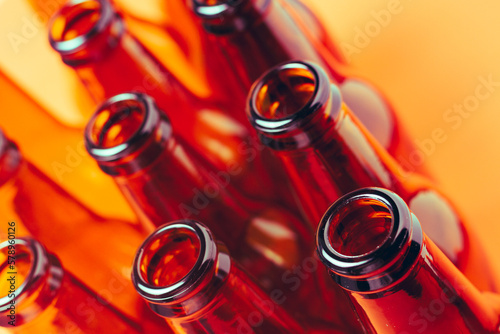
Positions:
(206, 266)
(72, 11)
(210, 11)
(302, 122)
(44, 275)
(389, 258)
(113, 111)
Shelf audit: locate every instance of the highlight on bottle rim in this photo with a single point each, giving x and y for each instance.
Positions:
(293, 101)
(174, 261)
(362, 233)
(33, 272)
(80, 23)
(121, 125)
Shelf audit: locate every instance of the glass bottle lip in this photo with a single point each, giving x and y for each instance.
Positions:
(387, 261)
(229, 16)
(44, 275)
(72, 50)
(211, 11)
(208, 265)
(323, 104)
(151, 119)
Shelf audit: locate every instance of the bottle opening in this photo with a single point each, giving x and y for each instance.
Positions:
(123, 127)
(285, 91)
(84, 30)
(360, 227)
(116, 123)
(175, 262)
(166, 260)
(75, 21)
(368, 239)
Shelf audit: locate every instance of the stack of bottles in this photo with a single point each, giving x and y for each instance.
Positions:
(271, 203)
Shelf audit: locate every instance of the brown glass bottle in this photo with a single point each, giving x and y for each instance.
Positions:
(191, 280)
(374, 247)
(327, 153)
(92, 38)
(39, 296)
(256, 35)
(164, 179)
(42, 209)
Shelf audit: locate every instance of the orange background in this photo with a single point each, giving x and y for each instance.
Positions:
(426, 59)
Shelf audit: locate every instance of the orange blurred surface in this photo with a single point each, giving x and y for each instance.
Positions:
(427, 56)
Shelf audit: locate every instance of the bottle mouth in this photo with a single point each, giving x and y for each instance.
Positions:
(290, 95)
(174, 263)
(209, 9)
(360, 227)
(26, 274)
(365, 234)
(124, 126)
(78, 23)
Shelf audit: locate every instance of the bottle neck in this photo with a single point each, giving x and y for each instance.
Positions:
(33, 281)
(175, 288)
(84, 31)
(194, 287)
(301, 117)
(92, 38)
(255, 35)
(161, 176)
(374, 248)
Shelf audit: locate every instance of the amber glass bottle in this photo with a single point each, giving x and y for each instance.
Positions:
(41, 208)
(327, 153)
(374, 247)
(39, 296)
(191, 280)
(256, 35)
(164, 179)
